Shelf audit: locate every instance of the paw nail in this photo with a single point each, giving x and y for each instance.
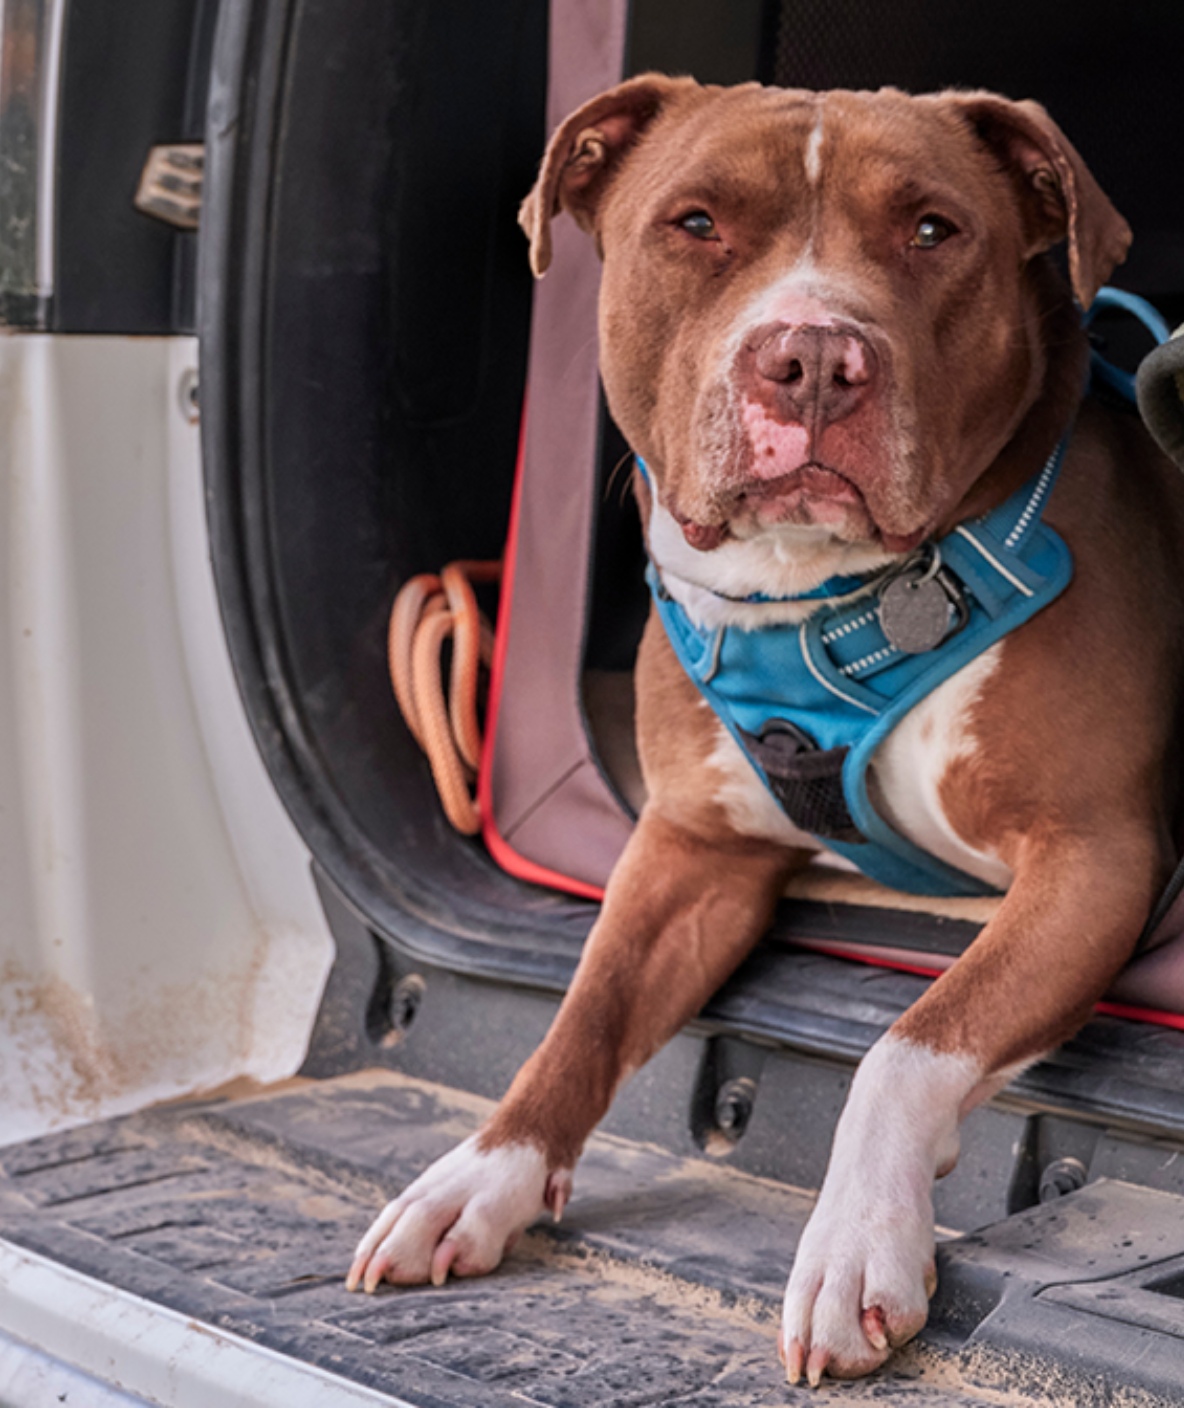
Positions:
(815, 1365)
(873, 1328)
(793, 1360)
(442, 1260)
(556, 1193)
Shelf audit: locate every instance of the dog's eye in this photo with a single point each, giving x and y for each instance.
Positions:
(699, 224)
(931, 231)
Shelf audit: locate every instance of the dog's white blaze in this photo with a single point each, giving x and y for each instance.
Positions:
(814, 151)
(909, 766)
(870, 1239)
(805, 295)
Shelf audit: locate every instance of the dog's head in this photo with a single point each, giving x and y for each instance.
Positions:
(823, 315)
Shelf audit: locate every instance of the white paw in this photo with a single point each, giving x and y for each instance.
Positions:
(863, 1273)
(860, 1286)
(461, 1215)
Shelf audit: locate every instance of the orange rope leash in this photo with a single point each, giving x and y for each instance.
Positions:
(427, 611)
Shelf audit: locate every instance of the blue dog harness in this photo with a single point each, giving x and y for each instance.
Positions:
(810, 703)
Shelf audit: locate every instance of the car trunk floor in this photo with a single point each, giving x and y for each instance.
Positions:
(662, 1284)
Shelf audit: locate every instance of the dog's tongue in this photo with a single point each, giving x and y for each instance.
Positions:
(704, 536)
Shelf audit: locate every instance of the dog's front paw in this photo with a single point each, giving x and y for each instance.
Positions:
(860, 1286)
(461, 1216)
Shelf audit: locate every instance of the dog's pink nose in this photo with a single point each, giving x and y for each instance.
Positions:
(813, 375)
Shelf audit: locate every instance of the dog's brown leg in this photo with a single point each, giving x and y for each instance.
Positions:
(864, 1268)
(680, 914)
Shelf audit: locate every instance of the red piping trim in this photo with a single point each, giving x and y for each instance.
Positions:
(1142, 1014)
(873, 960)
(1107, 1009)
(509, 860)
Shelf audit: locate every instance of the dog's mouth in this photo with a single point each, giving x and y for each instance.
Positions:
(807, 484)
(812, 496)
(703, 537)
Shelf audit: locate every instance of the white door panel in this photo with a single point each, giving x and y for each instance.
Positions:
(159, 931)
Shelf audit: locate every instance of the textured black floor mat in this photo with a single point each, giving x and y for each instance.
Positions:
(662, 1286)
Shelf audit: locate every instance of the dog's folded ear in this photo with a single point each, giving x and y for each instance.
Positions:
(1059, 197)
(584, 152)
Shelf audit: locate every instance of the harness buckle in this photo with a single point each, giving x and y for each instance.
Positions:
(805, 779)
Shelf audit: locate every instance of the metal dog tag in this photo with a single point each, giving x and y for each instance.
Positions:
(915, 614)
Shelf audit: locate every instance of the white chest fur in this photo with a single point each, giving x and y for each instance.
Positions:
(909, 766)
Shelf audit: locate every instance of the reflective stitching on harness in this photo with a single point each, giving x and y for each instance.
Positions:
(848, 626)
(874, 658)
(994, 561)
(821, 678)
(1038, 493)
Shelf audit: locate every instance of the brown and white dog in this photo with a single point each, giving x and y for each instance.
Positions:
(907, 237)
